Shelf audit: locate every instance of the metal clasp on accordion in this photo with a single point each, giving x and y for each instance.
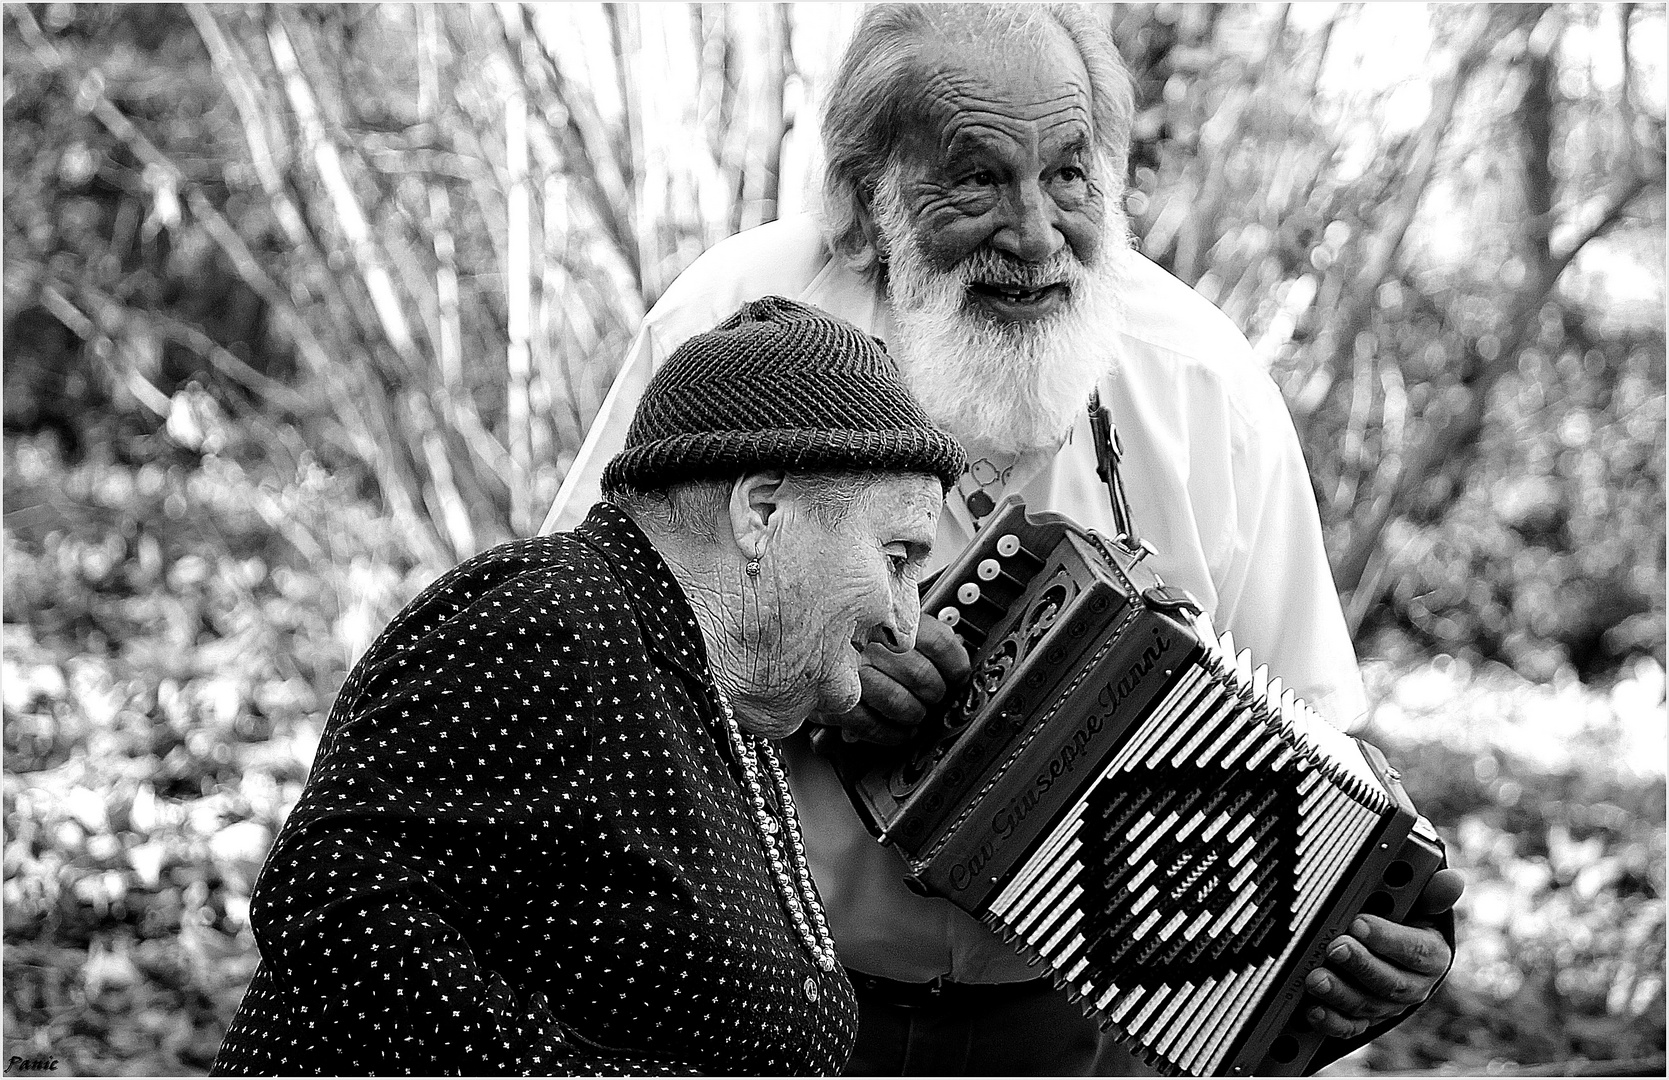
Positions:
(1128, 801)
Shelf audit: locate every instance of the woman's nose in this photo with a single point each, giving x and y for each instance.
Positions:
(898, 632)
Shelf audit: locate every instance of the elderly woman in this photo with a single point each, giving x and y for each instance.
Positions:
(547, 830)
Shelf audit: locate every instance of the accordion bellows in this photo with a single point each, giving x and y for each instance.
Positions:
(1171, 832)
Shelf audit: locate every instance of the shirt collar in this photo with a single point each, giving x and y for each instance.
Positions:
(662, 611)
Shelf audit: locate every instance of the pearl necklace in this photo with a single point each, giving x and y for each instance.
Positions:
(798, 893)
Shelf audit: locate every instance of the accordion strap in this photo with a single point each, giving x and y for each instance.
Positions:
(1108, 453)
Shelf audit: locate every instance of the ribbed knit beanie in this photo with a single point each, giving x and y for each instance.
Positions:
(778, 384)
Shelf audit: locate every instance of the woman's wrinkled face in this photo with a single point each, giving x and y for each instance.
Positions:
(830, 589)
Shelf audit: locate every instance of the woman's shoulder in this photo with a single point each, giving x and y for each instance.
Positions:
(547, 571)
(543, 595)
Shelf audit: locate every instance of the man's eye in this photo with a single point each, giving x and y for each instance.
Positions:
(982, 178)
(899, 559)
(1071, 174)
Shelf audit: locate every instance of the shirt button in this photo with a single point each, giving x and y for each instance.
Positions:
(811, 988)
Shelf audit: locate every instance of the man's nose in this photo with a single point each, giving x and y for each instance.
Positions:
(1028, 230)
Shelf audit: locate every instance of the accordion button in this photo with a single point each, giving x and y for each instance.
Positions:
(810, 987)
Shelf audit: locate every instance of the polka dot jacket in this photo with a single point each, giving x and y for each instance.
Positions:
(526, 847)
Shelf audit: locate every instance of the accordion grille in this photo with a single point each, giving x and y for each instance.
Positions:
(1170, 896)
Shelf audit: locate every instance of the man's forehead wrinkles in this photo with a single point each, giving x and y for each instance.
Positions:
(975, 129)
(949, 93)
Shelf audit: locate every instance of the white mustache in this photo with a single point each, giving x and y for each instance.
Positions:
(988, 266)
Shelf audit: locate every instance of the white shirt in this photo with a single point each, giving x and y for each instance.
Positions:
(1216, 481)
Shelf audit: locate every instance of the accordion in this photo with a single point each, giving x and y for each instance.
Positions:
(1171, 833)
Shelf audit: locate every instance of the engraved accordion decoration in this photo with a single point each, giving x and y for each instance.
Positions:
(1174, 835)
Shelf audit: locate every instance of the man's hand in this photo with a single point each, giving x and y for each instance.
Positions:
(900, 688)
(1382, 968)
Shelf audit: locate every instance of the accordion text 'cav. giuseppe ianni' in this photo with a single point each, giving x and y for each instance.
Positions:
(1174, 835)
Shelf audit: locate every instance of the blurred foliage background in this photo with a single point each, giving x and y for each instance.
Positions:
(303, 304)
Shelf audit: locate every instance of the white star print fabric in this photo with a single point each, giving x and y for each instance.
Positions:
(525, 848)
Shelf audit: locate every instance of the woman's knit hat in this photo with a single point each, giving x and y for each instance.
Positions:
(778, 385)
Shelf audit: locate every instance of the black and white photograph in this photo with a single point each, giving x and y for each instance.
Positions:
(869, 539)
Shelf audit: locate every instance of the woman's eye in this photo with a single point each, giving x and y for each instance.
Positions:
(1071, 174)
(982, 178)
(899, 559)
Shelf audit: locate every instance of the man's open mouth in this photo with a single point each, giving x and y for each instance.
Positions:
(1015, 294)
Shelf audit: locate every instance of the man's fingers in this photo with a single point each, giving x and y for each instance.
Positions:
(892, 673)
(1334, 1024)
(898, 688)
(890, 699)
(1419, 950)
(864, 724)
(1441, 892)
(1338, 995)
(1391, 965)
(944, 649)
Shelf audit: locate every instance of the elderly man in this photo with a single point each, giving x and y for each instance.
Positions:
(972, 220)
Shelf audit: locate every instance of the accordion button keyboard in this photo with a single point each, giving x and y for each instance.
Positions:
(1175, 845)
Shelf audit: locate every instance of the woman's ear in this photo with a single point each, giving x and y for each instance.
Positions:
(756, 505)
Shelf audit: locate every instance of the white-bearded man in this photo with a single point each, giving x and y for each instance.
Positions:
(971, 218)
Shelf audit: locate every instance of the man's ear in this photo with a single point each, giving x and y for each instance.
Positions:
(756, 510)
(871, 231)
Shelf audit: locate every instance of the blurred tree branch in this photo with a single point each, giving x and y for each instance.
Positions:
(226, 237)
(586, 154)
(1457, 418)
(1337, 341)
(413, 335)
